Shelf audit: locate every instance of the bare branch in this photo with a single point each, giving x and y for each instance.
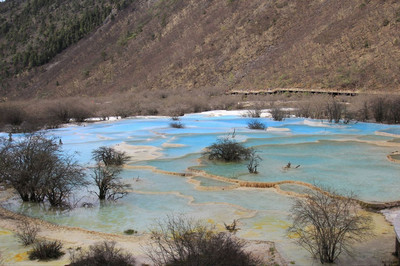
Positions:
(326, 224)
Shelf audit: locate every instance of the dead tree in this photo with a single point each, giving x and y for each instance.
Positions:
(38, 170)
(106, 174)
(327, 224)
(109, 156)
(108, 182)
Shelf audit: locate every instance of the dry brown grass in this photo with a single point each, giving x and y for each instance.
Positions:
(192, 46)
(31, 115)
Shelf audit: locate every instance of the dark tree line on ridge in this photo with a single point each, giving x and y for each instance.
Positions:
(32, 33)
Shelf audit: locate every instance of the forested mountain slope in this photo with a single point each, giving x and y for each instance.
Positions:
(86, 47)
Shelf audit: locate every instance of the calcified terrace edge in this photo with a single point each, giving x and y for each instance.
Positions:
(77, 236)
(234, 183)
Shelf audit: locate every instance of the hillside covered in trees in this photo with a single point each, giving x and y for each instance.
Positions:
(51, 49)
(33, 32)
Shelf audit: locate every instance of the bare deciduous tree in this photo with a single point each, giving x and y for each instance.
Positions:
(65, 177)
(109, 156)
(327, 224)
(106, 174)
(379, 108)
(37, 169)
(109, 183)
(334, 110)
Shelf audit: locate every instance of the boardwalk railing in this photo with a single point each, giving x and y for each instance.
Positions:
(309, 91)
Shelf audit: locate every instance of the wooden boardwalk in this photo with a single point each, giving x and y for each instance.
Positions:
(333, 92)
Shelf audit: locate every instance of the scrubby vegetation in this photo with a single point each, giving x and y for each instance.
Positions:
(341, 54)
(33, 115)
(254, 113)
(278, 114)
(38, 170)
(183, 241)
(130, 232)
(255, 124)
(27, 233)
(105, 253)
(176, 125)
(46, 250)
(254, 161)
(327, 224)
(227, 150)
(28, 116)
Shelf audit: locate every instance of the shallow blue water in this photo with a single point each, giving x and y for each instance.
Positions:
(344, 157)
(341, 156)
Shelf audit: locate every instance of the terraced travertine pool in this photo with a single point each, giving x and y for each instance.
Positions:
(351, 157)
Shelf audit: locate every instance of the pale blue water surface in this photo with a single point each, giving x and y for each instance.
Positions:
(347, 158)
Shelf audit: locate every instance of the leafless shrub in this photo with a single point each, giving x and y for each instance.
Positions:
(105, 253)
(200, 106)
(255, 124)
(27, 233)
(176, 112)
(254, 113)
(224, 103)
(176, 125)
(125, 107)
(228, 150)
(60, 111)
(109, 156)
(327, 224)
(65, 110)
(360, 107)
(278, 114)
(364, 112)
(379, 108)
(393, 110)
(303, 109)
(318, 104)
(334, 110)
(386, 109)
(183, 241)
(253, 163)
(130, 232)
(80, 113)
(12, 114)
(46, 250)
(108, 183)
